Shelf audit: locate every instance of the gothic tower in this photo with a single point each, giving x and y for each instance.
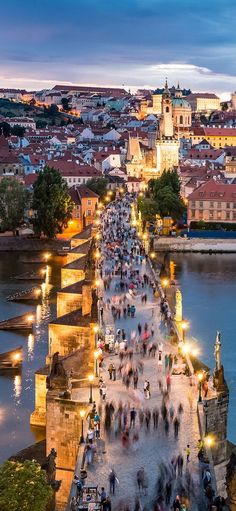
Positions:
(166, 124)
(167, 146)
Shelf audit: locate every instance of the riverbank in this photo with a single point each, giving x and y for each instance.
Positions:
(16, 243)
(208, 246)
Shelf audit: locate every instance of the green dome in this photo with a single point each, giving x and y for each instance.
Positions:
(180, 102)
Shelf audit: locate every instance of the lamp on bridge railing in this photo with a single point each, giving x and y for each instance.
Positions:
(165, 283)
(152, 255)
(209, 441)
(200, 378)
(82, 414)
(90, 379)
(96, 355)
(95, 329)
(185, 326)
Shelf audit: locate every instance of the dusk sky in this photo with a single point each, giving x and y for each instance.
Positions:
(119, 42)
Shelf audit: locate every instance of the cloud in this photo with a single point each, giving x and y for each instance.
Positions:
(119, 41)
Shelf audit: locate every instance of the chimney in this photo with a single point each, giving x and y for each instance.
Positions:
(86, 299)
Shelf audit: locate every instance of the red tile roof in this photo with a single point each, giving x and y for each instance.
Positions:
(214, 132)
(30, 179)
(71, 168)
(208, 95)
(213, 190)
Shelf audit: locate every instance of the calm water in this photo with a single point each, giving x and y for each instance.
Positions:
(17, 392)
(208, 284)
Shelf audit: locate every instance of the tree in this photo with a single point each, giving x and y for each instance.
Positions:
(149, 208)
(5, 129)
(98, 185)
(52, 110)
(52, 203)
(14, 199)
(23, 487)
(224, 106)
(65, 104)
(19, 131)
(168, 178)
(169, 204)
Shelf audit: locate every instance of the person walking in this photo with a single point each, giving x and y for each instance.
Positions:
(104, 391)
(113, 372)
(133, 414)
(176, 504)
(112, 481)
(187, 451)
(110, 369)
(180, 462)
(155, 418)
(176, 427)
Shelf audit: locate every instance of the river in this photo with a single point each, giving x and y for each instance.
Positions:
(208, 285)
(17, 392)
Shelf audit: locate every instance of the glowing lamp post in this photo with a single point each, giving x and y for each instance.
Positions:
(47, 256)
(200, 378)
(209, 441)
(165, 284)
(82, 414)
(96, 355)
(90, 379)
(185, 326)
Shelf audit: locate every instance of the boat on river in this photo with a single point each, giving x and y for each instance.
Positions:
(11, 361)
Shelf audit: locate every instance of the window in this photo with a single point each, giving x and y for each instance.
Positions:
(201, 214)
(181, 121)
(219, 205)
(167, 109)
(200, 204)
(234, 205)
(218, 215)
(89, 202)
(211, 204)
(193, 203)
(228, 205)
(211, 215)
(193, 213)
(227, 215)
(89, 212)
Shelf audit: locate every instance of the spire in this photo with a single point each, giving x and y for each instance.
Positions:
(166, 86)
(178, 87)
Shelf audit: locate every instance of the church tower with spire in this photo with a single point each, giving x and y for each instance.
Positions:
(167, 146)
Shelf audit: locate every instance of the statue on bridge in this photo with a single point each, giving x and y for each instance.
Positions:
(218, 377)
(50, 467)
(57, 376)
(217, 352)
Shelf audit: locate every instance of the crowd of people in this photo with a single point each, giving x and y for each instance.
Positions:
(127, 285)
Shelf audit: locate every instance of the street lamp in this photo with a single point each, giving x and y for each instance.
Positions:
(152, 255)
(96, 355)
(185, 325)
(200, 378)
(47, 256)
(91, 378)
(82, 414)
(209, 441)
(165, 284)
(95, 329)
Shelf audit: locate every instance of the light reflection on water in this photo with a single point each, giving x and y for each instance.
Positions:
(17, 387)
(17, 392)
(208, 285)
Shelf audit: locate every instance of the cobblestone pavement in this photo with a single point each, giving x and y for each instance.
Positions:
(154, 446)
